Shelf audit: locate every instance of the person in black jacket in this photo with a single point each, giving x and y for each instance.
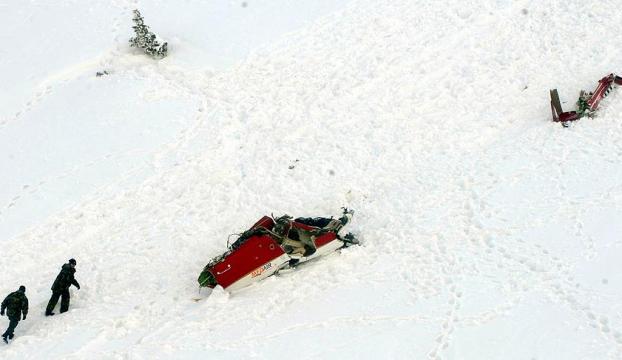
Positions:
(16, 306)
(60, 288)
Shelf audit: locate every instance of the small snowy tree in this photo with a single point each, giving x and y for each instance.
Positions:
(145, 39)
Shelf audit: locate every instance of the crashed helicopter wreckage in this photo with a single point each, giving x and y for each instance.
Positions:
(273, 244)
(588, 101)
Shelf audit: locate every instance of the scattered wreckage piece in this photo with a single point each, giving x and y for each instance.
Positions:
(586, 104)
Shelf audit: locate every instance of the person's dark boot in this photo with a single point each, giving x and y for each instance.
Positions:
(49, 313)
(4, 338)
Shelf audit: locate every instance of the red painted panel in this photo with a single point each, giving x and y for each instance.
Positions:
(568, 116)
(600, 92)
(325, 239)
(303, 226)
(320, 240)
(255, 252)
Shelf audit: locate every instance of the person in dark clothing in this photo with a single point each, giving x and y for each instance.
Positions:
(16, 306)
(60, 288)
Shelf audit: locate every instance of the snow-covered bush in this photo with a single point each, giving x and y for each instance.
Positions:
(145, 39)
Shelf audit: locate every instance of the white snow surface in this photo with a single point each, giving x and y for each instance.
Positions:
(488, 232)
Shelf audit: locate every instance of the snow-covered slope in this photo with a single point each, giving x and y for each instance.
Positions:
(488, 231)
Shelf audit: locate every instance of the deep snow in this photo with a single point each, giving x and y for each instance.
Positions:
(488, 231)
